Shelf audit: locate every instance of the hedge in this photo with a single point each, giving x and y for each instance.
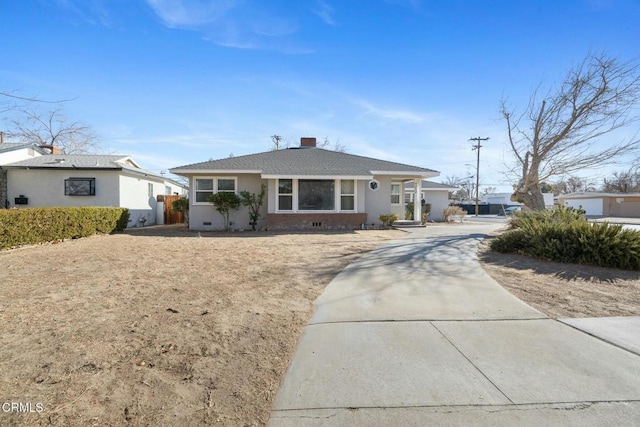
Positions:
(565, 236)
(38, 225)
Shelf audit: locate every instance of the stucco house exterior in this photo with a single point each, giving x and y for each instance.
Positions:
(604, 204)
(88, 180)
(14, 152)
(306, 188)
(433, 193)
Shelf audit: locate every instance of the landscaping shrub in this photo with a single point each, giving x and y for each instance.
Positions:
(388, 219)
(450, 211)
(182, 205)
(566, 236)
(39, 225)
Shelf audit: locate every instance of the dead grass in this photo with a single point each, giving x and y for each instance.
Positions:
(160, 326)
(565, 290)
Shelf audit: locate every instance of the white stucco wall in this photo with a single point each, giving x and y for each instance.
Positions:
(378, 202)
(45, 188)
(17, 155)
(439, 200)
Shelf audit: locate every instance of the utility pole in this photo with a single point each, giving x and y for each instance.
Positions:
(474, 148)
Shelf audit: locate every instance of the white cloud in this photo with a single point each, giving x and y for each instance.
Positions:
(190, 13)
(390, 114)
(325, 12)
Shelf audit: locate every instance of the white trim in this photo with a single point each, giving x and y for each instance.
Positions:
(214, 188)
(399, 194)
(337, 194)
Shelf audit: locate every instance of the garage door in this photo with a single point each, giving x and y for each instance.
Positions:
(592, 206)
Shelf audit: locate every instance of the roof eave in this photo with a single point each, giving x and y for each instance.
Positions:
(184, 172)
(298, 176)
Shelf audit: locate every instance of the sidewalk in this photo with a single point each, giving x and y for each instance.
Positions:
(416, 333)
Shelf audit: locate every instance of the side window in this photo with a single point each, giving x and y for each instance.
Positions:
(395, 194)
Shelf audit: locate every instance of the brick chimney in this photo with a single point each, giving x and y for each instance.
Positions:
(54, 150)
(307, 142)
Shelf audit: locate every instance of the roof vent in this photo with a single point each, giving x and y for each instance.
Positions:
(307, 142)
(59, 160)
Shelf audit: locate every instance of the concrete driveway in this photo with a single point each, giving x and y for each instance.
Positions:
(415, 333)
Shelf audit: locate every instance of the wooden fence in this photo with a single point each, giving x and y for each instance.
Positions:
(171, 216)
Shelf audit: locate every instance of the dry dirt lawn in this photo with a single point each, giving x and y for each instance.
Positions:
(565, 290)
(160, 326)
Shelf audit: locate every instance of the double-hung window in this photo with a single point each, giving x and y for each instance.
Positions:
(285, 194)
(395, 194)
(347, 195)
(205, 187)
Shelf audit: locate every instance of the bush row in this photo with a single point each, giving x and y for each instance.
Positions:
(39, 225)
(566, 236)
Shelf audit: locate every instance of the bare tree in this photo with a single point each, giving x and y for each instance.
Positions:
(572, 184)
(558, 134)
(54, 129)
(336, 146)
(623, 182)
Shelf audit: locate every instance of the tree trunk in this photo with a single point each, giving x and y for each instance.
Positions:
(531, 196)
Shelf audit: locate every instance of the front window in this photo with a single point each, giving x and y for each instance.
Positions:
(347, 195)
(395, 194)
(226, 185)
(316, 195)
(285, 194)
(204, 189)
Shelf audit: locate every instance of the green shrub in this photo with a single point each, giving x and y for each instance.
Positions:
(388, 219)
(224, 202)
(560, 214)
(576, 241)
(38, 225)
(182, 205)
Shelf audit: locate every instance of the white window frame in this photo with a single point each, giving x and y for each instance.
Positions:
(215, 187)
(353, 195)
(337, 193)
(293, 195)
(398, 194)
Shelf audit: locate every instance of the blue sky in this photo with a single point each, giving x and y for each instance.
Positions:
(184, 81)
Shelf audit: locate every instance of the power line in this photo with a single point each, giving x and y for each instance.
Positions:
(474, 148)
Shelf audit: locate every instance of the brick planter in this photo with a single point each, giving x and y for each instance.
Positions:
(316, 221)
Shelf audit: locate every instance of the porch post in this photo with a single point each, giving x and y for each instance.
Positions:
(417, 200)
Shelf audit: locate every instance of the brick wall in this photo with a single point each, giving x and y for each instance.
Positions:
(319, 221)
(3, 188)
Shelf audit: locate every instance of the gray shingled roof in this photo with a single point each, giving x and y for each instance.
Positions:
(429, 185)
(70, 161)
(10, 146)
(302, 161)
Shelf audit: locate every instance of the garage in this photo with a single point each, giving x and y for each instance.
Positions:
(591, 206)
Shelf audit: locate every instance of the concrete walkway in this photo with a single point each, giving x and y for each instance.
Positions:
(415, 333)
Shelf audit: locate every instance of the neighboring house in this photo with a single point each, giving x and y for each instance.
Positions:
(14, 152)
(306, 188)
(88, 180)
(433, 193)
(604, 204)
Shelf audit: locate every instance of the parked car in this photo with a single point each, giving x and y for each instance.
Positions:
(509, 211)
